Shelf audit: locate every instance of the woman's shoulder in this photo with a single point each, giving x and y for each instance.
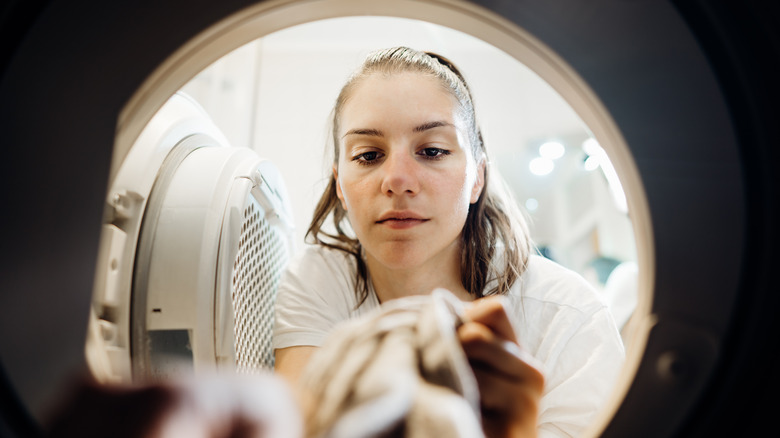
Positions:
(546, 281)
(316, 292)
(319, 257)
(316, 269)
(552, 305)
(320, 277)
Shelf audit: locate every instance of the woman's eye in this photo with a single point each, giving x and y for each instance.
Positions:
(434, 153)
(366, 157)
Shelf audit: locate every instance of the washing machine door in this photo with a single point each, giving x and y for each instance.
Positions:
(691, 87)
(197, 234)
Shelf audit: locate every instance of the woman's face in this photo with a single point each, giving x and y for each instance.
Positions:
(406, 174)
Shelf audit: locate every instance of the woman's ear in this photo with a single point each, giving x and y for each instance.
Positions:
(338, 188)
(479, 183)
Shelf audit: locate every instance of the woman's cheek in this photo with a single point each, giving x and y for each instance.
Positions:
(463, 195)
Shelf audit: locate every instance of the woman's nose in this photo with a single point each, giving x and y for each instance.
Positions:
(400, 175)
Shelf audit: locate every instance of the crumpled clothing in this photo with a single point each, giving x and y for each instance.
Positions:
(399, 371)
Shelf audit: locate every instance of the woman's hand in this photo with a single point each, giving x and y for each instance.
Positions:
(509, 379)
(217, 406)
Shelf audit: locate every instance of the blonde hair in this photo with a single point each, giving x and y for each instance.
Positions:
(493, 222)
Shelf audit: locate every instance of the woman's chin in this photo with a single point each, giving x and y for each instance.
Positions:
(409, 256)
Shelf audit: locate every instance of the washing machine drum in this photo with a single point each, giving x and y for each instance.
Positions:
(214, 238)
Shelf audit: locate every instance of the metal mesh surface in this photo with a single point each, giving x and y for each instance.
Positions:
(258, 266)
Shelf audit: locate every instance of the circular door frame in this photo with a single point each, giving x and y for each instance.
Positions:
(80, 64)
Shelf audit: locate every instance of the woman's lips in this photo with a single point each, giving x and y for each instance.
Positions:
(400, 224)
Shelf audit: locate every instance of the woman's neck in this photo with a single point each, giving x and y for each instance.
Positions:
(391, 283)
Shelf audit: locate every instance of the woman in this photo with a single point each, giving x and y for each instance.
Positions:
(410, 179)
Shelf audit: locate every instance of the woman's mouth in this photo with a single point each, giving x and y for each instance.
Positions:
(401, 219)
(401, 223)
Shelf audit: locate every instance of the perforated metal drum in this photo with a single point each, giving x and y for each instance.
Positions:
(262, 254)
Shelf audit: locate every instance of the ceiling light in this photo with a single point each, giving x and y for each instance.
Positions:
(591, 163)
(552, 150)
(541, 166)
(591, 146)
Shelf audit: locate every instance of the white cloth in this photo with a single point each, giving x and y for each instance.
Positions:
(560, 320)
(399, 371)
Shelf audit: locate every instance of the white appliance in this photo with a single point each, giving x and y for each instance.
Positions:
(195, 238)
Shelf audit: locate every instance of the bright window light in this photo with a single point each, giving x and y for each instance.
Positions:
(552, 150)
(541, 166)
(597, 153)
(618, 195)
(591, 147)
(591, 163)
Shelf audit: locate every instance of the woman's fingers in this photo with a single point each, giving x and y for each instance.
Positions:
(515, 399)
(491, 312)
(510, 380)
(485, 350)
(492, 333)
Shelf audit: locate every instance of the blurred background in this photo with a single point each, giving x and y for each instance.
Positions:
(275, 95)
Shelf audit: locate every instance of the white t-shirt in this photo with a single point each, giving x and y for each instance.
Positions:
(561, 321)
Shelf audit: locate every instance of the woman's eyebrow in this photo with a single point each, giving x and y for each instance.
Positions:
(365, 131)
(431, 125)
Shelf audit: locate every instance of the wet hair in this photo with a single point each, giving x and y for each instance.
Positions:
(494, 241)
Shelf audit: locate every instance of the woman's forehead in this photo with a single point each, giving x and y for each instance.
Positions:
(381, 97)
